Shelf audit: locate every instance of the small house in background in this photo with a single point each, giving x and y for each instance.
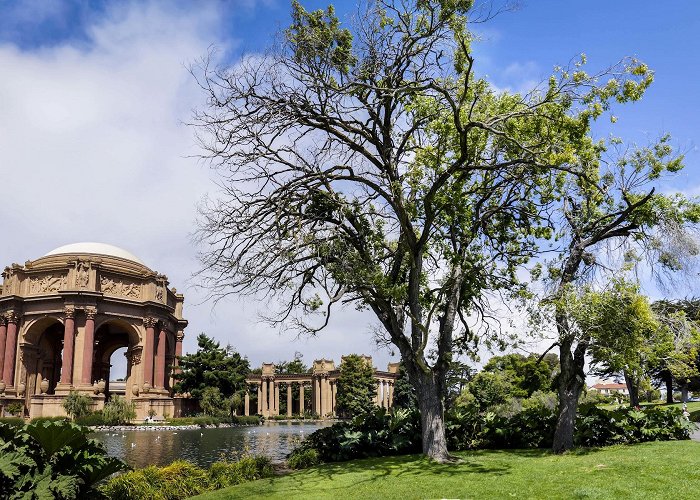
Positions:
(610, 388)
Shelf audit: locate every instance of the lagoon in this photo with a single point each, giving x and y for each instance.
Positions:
(205, 446)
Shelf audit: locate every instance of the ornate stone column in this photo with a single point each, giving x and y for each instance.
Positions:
(277, 398)
(317, 395)
(150, 324)
(289, 399)
(179, 337)
(8, 373)
(68, 346)
(265, 411)
(159, 381)
(386, 394)
(378, 401)
(391, 394)
(3, 340)
(88, 345)
(301, 398)
(334, 388)
(246, 408)
(260, 398)
(270, 397)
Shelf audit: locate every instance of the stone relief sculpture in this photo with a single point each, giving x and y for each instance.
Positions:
(159, 295)
(82, 274)
(119, 287)
(47, 284)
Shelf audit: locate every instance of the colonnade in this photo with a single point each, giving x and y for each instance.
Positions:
(322, 381)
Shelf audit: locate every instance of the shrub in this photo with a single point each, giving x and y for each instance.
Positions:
(600, 427)
(77, 404)
(248, 468)
(93, 419)
(15, 409)
(303, 459)
(246, 420)
(52, 459)
(118, 411)
(370, 435)
(182, 479)
(51, 419)
(12, 421)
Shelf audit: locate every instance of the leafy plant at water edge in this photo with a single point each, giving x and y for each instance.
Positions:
(52, 459)
(77, 404)
(118, 411)
(182, 479)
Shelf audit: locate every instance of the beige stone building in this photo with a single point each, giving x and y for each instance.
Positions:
(321, 381)
(63, 315)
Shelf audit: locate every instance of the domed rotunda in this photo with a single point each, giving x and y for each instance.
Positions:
(63, 315)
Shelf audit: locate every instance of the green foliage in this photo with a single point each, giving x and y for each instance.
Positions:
(212, 402)
(404, 392)
(524, 373)
(52, 419)
(303, 459)
(93, 419)
(212, 366)
(372, 434)
(357, 387)
(624, 425)
(489, 389)
(181, 479)
(77, 404)
(118, 411)
(15, 409)
(13, 421)
(52, 459)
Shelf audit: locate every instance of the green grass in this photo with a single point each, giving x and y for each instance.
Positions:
(644, 471)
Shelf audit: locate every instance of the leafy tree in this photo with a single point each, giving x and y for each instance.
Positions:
(682, 364)
(625, 334)
(489, 389)
(404, 392)
(526, 374)
(118, 411)
(357, 388)
(77, 404)
(212, 366)
(212, 402)
(610, 216)
(372, 166)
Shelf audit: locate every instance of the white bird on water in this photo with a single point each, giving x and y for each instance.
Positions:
(133, 445)
(201, 434)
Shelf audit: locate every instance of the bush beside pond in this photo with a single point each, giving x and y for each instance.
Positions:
(530, 426)
(182, 479)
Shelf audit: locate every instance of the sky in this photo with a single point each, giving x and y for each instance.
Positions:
(94, 146)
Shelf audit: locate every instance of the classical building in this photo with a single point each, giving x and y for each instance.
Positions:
(63, 315)
(321, 381)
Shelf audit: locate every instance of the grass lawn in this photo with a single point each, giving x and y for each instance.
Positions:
(645, 471)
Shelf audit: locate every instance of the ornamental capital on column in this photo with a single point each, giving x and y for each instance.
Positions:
(90, 312)
(150, 322)
(69, 312)
(12, 317)
(180, 336)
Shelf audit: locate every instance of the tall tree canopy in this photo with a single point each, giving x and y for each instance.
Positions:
(357, 388)
(369, 165)
(212, 366)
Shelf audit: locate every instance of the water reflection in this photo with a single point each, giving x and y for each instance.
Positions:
(204, 446)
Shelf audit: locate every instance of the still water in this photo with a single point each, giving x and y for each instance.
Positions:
(205, 446)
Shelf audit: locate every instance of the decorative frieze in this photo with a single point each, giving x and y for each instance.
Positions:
(82, 274)
(120, 287)
(50, 283)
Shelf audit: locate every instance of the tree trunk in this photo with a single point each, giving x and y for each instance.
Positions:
(571, 382)
(432, 418)
(633, 389)
(669, 388)
(684, 393)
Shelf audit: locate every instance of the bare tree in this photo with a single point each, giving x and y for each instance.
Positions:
(370, 166)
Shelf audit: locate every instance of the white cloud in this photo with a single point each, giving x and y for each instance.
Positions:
(94, 149)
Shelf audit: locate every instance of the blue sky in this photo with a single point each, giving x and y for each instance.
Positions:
(94, 94)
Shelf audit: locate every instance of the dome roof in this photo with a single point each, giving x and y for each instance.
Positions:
(97, 249)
